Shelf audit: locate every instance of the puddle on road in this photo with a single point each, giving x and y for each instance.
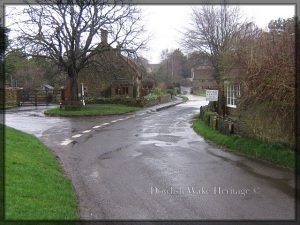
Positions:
(36, 114)
(94, 174)
(103, 157)
(168, 138)
(33, 123)
(179, 133)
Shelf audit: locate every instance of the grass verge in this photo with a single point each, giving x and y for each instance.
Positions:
(35, 188)
(184, 98)
(94, 110)
(276, 154)
(7, 106)
(202, 94)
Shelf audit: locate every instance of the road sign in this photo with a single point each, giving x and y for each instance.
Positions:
(212, 95)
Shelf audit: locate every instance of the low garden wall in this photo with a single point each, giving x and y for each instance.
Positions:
(148, 103)
(251, 124)
(165, 98)
(11, 96)
(123, 101)
(130, 101)
(266, 126)
(162, 99)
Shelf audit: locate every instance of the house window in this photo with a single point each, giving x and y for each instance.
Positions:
(122, 90)
(125, 91)
(233, 92)
(117, 91)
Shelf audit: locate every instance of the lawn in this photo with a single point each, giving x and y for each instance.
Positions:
(94, 110)
(35, 187)
(274, 153)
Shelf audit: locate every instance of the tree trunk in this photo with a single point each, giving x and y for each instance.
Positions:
(72, 74)
(74, 88)
(217, 74)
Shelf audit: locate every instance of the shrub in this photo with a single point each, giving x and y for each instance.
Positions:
(169, 85)
(122, 101)
(157, 91)
(151, 96)
(177, 85)
(170, 91)
(148, 83)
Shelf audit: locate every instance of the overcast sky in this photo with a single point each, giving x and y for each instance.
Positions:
(164, 22)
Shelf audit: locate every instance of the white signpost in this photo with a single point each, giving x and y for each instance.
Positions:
(212, 95)
(82, 94)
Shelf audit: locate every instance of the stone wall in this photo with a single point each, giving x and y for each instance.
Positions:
(232, 112)
(165, 98)
(255, 124)
(148, 103)
(11, 96)
(162, 99)
(225, 125)
(266, 127)
(258, 126)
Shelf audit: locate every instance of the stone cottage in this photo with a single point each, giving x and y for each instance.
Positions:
(111, 74)
(202, 78)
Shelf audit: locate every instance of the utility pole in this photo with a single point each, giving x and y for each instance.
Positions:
(11, 81)
(172, 73)
(167, 70)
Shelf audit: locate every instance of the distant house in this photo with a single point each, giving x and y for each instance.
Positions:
(111, 74)
(202, 78)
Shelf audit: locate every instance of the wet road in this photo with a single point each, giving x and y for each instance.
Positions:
(153, 166)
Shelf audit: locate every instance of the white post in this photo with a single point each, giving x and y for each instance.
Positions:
(82, 94)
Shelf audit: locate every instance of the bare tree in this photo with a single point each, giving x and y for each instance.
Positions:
(173, 66)
(269, 65)
(68, 32)
(211, 31)
(243, 41)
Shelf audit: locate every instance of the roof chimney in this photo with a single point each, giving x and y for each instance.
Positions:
(103, 36)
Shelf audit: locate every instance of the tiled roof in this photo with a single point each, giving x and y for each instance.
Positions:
(122, 82)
